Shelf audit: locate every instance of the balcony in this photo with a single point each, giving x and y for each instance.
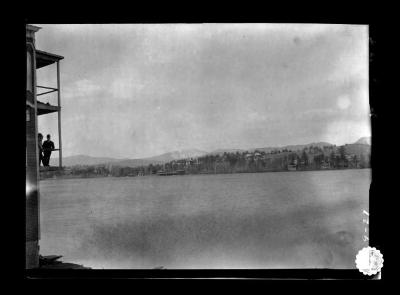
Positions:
(44, 59)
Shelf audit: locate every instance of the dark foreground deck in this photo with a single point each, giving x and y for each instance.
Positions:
(52, 262)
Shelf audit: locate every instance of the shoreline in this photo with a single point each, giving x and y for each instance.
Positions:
(61, 176)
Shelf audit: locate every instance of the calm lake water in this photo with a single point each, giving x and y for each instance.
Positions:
(305, 219)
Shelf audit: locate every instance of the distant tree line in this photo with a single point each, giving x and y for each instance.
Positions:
(309, 158)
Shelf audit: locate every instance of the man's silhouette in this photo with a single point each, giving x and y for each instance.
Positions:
(48, 146)
(40, 148)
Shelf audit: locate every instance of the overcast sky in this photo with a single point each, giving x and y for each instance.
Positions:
(132, 91)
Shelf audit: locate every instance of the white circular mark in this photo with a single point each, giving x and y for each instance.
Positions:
(369, 261)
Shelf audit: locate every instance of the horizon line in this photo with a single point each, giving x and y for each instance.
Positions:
(206, 151)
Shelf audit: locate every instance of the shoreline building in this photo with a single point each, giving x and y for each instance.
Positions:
(36, 59)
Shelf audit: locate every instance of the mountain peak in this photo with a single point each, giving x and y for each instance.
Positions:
(187, 153)
(364, 140)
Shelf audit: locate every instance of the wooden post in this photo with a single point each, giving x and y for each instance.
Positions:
(32, 175)
(59, 114)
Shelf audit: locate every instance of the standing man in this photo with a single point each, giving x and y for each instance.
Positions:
(48, 146)
(40, 147)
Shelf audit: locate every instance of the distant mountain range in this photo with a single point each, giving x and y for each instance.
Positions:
(361, 144)
(269, 149)
(81, 160)
(167, 157)
(176, 155)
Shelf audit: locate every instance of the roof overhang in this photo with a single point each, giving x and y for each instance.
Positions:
(45, 58)
(30, 32)
(32, 28)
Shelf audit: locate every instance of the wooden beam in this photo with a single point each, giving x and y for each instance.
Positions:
(37, 140)
(46, 108)
(45, 87)
(45, 92)
(59, 114)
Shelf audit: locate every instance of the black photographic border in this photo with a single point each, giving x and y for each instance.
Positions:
(376, 205)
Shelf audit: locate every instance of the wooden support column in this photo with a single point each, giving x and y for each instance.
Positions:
(32, 173)
(59, 114)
